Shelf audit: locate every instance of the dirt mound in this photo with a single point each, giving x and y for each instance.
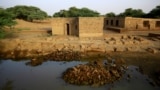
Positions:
(25, 25)
(96, 73)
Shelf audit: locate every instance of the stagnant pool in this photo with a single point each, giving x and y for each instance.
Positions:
(17, 75)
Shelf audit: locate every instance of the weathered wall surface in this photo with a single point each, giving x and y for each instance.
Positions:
(141, 23)
(131, 23)
(94, 26)
(82, 26)
(114, 22)
(91, 26)
(64, 26)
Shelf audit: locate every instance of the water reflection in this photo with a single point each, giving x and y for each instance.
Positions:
(136, 81)
(47, 76)
(0, 62)
(8, 85)
(35, 62)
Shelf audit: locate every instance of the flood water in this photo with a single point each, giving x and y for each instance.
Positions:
(16, 75)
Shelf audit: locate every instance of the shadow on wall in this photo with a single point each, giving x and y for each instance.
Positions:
(49, 30)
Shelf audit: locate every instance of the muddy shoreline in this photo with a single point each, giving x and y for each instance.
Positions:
(148, 63)
(135, 50)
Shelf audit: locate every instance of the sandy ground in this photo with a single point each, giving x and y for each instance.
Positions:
(39, 25)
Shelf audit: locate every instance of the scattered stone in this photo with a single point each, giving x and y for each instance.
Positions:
(119, 49)
(123, 37)
(59, 47)
(82, 46)
(49, 39)
(119, 43)
(35, 62)
(109, 49)
(111, 42)
(130, 37)
(136, 42)
(115, 49)
(152, 50)
(113, 39)
(138, 39)
(47, 45)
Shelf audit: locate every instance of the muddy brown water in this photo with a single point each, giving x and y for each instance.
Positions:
(17, 75)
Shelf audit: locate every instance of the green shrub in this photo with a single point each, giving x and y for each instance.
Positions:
(2, 34)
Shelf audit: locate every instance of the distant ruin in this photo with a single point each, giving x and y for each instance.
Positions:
(123, 24)
(94, 26)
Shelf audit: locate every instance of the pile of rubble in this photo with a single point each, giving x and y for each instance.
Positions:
(95, 73)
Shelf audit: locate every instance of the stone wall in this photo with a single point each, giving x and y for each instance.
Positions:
(82, 26)
(131, 23)
(114, 22)
(91, 26)
(141, 23)
(94, 26)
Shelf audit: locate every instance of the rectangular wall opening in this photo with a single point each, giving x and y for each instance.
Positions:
(67, 27)
(107, 22)
(117, 22)
(112, 22)
(76, 27)
(146, 24)
(157, 23)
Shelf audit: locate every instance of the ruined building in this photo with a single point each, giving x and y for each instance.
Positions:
(94, 26)
(80, 26)
(124, 24)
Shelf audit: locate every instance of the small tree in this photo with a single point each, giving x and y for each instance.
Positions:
(28, 13)
(76, 12)
(154, 13)
(132, 13)
(111, 14)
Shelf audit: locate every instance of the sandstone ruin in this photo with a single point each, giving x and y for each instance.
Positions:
(94, 26)
(81, 26)
(122, 24)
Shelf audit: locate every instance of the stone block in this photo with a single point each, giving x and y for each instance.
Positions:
(109, 48)
(152, 50)
(133, 49)
(118, 43)
(119, 49)
(111, 42)
(49, 39)
(136, 42)
(59, 47)
(124, 37)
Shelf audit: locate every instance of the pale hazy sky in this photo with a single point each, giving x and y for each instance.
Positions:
(102, 6)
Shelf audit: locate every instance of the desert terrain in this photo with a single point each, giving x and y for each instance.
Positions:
(34, 41)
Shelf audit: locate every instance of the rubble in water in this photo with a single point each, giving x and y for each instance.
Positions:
(95, 73)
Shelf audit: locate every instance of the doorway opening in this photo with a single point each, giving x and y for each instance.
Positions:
(157, 23)
(117, 22)
(67, 27)
(146, 24)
